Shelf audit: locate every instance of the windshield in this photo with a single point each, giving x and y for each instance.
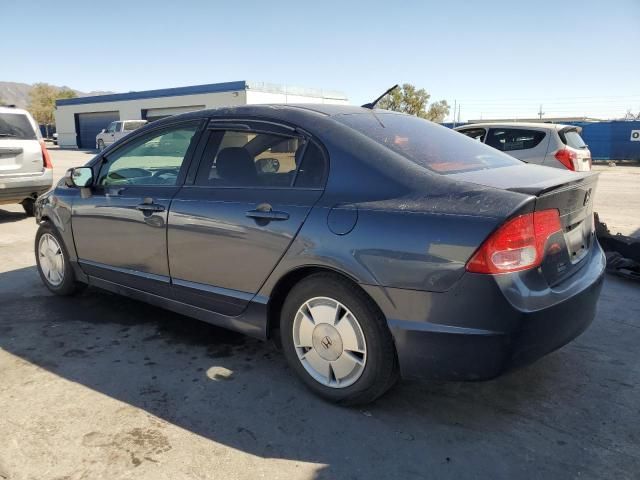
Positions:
(432, 146)
(573, 139)
(16, 126)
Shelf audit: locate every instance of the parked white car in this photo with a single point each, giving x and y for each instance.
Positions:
(25, 165)
(549, 144)
(115, 131)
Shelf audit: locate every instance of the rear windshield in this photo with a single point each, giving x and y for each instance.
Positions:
(432, 146)
(128, 126)
(573, 139)
(16, 126)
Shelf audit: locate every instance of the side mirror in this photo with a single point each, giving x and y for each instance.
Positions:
(80, 177)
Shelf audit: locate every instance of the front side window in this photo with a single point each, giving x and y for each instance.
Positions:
(155, 159)
(112, 127)
(248, 159)
(16, 126)
(509, 139)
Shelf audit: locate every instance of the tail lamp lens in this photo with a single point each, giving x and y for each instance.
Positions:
(567, 158)
(46, 158)
(519, 244)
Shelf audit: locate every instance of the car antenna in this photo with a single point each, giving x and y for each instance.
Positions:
(372, 105)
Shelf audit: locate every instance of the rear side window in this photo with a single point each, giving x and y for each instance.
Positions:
(475, 133)
(431, 146)
(252, 159)
(509, 139)
(572, 139)
(16, 126)
(130, 126)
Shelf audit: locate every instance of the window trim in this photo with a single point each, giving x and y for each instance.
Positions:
(131, 138)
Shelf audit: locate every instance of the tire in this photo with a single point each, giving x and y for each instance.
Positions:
(28, 204)
(67, 284)
(100, 145)
(374, 362)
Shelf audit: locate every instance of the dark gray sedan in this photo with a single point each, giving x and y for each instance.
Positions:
(375, 244)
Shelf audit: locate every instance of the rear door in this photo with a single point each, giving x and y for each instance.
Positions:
(526, 144)
(120, 228)
(20, 151)
(254, 188)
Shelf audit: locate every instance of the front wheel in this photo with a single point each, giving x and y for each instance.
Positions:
(337, 341)
(53, 263)
(100, 145)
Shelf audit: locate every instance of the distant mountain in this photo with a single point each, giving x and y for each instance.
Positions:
(12, 93)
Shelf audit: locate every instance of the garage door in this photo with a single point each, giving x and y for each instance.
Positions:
(88, 125)
(153, 114)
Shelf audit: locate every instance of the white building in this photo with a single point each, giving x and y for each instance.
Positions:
(79, 120)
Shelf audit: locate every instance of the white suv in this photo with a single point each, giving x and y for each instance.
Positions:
(115, 131)
(25, 165)
(549, 144)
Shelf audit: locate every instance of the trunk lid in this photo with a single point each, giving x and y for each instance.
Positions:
(569, 192)
(20, 157)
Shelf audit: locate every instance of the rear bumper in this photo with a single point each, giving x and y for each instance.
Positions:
(481, 329)
(16, 189)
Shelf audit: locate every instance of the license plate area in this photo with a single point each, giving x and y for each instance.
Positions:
(578, 241)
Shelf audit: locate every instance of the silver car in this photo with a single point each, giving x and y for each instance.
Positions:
(115, 131)
(25, 166)
(549, 144)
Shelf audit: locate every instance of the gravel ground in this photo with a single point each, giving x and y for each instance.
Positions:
(99, 386)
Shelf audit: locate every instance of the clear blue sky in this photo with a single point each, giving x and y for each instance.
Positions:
(495, 57)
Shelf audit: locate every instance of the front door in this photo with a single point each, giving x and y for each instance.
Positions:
(120, 228)
(227, 232)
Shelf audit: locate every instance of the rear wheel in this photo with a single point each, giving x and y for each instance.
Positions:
(53, 263)
(337, 341)
(28, 204)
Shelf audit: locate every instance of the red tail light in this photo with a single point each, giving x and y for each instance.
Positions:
(46, 158)
(567, 158)
(517, 245)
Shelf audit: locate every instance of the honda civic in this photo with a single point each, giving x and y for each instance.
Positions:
(374, 245)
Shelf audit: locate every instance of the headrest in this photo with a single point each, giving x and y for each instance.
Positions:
(235, 165)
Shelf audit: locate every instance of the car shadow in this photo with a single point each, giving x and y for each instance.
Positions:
(8, 217)
(239, 392)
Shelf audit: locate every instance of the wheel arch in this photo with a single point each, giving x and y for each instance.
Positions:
(282, 287)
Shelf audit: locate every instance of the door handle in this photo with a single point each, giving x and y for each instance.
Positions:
(150, 207)
(264, 212)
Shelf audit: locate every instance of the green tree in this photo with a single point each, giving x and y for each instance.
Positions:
(409, 99)
(42, 102)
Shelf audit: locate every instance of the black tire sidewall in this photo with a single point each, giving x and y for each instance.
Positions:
(68, 285)
(380, 368)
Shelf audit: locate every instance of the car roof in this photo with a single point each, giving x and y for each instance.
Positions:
(13, 110)
(543, 126)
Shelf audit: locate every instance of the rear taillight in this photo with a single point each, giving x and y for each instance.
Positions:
(519, 244)
(46, 158)
(567, 158)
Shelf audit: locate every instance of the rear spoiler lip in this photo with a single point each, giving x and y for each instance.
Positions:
(549, 186)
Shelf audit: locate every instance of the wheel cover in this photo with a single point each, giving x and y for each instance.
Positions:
(329, 342)
(51, 259)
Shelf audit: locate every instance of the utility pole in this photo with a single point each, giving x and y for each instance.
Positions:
(459, 106)
(454, 113)
(540, 112)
